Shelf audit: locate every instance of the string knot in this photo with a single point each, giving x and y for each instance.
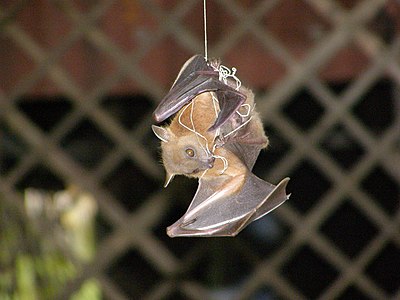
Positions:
(225, 73)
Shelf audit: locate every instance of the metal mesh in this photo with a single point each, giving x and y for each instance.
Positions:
(345, 169)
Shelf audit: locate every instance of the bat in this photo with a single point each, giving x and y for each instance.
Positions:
(218, 142)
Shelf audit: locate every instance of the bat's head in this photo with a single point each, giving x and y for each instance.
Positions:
(183, 155)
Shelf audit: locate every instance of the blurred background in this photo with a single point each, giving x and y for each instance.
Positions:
(82, 208)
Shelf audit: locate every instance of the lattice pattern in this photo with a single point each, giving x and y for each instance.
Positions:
(329, 189)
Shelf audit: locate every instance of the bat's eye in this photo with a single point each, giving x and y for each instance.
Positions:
(189, 152)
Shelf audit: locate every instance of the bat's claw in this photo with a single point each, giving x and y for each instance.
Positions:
(220, 141)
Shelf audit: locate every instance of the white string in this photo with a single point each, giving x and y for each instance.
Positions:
(217, 132)
(225, 73)
(198, 134)
(205, 29)
(237, 128)
(249, 110)
(224, 161)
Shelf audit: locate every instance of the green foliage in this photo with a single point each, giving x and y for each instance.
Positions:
(32, 264)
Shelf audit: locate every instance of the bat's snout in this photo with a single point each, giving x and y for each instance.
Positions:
(210, 162)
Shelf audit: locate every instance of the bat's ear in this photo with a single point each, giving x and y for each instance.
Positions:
(162, 133)
(168, 179)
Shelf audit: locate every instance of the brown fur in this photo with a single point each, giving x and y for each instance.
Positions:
(177, 138)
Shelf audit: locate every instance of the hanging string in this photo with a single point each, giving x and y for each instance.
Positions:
(224, 74)
(205, 29)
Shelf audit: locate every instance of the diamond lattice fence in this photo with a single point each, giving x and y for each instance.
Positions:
(329, 100)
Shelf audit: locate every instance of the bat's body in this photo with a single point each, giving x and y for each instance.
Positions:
(210, 140)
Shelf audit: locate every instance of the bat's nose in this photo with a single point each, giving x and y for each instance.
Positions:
(211, 161)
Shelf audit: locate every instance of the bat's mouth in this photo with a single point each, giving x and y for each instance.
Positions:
(208, 164)
(195, 171)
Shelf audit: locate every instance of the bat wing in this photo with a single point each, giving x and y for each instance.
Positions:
(197, 77)
(215, 211)
(247, 153)
(229, 101)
